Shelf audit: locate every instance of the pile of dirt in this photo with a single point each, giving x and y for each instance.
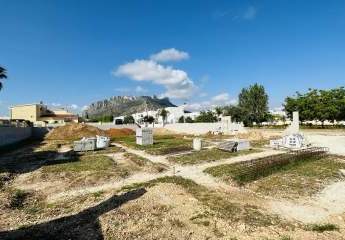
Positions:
(74, 131)
(115, 132)
(251, 135)
(163, 131)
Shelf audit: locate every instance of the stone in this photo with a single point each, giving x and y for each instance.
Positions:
(197, 144)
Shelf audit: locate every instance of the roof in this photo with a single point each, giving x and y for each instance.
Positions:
(27, 104)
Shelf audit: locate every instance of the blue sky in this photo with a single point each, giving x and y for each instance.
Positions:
(71, 52)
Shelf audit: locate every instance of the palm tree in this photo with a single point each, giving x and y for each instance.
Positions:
(164, 114)
(2, 75)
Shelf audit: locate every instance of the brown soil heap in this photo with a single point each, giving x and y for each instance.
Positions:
(114, 132)
(74, 131)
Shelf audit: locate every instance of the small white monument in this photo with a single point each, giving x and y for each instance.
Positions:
(197, 144)
(292, 138)
(144, 136)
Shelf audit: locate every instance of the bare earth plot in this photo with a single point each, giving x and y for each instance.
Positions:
(128, 193)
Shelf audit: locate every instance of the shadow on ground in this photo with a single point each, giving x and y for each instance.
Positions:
(84, 225)
(24, 158)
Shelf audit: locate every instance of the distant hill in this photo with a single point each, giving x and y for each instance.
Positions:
(125, 105)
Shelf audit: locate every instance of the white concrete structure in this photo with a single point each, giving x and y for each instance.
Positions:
(294, 127)
(144, 136)
(197, 144)
(292, 138)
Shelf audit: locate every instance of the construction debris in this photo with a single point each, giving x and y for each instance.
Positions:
(234, 145)
(91, 144)
(85, 144)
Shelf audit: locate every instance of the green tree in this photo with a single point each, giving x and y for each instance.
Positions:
(318, 105)
(3, 75)
(235, 112)
(128, 119)
(208, 116)
(181, 119)
(149, 119)
(164, 114)
(253, 101)
(219, 111)
(189, 120)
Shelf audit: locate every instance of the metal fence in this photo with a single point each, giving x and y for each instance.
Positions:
(260, 167)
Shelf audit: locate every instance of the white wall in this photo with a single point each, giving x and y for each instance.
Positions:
(203, 128)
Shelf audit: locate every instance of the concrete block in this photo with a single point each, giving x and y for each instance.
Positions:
(144, 136)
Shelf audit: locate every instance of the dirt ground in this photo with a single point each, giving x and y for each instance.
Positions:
(126, 193)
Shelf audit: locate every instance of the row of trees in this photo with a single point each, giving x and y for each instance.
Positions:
(318, 105)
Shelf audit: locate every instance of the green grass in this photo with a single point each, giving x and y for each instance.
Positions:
(145, 163)
(84, 163)
(301, 178)
(162, 145)
(323, 227)
(218, 203)
(207, 155)
(17, 198)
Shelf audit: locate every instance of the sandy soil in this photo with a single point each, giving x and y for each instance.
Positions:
(330, 201)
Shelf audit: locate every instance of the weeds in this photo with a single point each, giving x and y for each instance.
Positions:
(324, 227)
(242, 173)
(217, 203)
(208, 155)
(17, 199)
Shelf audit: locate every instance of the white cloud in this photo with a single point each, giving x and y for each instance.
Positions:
(170, 54)
(176, 82)
(140, 89)
(250, 13)
(85, 108)
(73, 106)
(221, 99)
(56, 104)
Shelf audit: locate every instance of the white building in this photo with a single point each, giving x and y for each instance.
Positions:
(173, 115)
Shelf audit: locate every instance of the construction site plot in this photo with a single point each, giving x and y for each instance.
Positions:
(170, 191)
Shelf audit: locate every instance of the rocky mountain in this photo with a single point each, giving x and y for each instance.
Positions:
(125, 105)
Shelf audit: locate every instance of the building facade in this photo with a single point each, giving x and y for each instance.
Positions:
(39, 114)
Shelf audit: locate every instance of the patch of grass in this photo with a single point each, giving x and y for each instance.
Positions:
(208, 155)
(17, 198)
(216, 202)
(162, 145)
(285, 238)
(98, 194)
(259, 143)
(85, 163)
(323, 227)
(300, 178)
(177, 223)
(242, 173)
(143, 162)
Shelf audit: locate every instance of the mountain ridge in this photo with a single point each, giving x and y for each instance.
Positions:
(125, 105)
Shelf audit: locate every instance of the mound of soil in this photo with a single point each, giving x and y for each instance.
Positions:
(251, 135)
(74, 131)
(115, 132)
